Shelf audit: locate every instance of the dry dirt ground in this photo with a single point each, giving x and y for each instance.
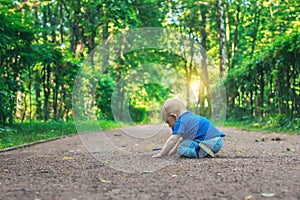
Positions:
(117, 164)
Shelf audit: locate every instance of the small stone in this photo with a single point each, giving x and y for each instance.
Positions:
(147, 172)
(267, 194)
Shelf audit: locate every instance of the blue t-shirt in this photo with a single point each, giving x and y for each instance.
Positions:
(195, 127)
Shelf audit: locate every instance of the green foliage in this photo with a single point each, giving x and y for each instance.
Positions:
(43, 45)
(146, 101)
(281, 122)
(15, 41)
(104, 93)
(138, 115)
(269, 84)
(150, 13)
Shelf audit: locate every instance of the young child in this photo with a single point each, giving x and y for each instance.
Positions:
(192, 136)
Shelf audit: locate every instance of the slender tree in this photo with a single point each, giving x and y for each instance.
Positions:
(221, 30)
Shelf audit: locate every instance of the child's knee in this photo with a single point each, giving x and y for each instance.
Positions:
(188, 148)
(181, 149)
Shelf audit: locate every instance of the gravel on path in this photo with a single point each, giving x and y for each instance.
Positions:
(117, 164)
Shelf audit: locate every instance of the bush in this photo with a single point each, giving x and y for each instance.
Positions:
(281, 121)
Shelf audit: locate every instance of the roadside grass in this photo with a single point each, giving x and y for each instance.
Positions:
(26, 132)
(252, 125)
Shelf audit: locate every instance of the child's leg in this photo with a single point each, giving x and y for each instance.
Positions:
(215, 144)
(189, 149)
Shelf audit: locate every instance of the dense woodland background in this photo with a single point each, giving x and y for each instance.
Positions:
(255, 44)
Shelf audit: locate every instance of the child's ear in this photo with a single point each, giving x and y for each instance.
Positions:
(174, 115)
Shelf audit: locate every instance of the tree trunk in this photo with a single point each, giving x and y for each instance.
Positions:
(105, 57)
(61, 35)
(262, 91)
(204, 81)
(251, 103)
(55, 94)
(44, 24)
(38, 95)
(280, 91)
(52, 24)
(255, 32)
(46, 84)
(75, 37)
(221, 28)
(186, 68)
(30, 93)
(25, 109)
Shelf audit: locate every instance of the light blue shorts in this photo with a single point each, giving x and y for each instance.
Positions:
(191, 148)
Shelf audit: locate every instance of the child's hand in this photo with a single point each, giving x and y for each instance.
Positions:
(157, 156)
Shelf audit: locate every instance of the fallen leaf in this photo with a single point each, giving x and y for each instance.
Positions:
(67, 158)
(267, 194)
(103, 180)
(149, 148)
(249, 197)
(238, 151)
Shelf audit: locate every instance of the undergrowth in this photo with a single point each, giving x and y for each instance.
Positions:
(276, 123)
(27, 132)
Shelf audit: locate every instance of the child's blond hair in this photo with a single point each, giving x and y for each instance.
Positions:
(175, 106)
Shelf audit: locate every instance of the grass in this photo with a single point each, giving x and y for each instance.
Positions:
(23, 133)
(262, 126)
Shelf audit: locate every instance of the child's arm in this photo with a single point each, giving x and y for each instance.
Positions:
(169, 144)
(174, 150)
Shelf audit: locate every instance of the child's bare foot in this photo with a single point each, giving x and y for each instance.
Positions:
(157, 155)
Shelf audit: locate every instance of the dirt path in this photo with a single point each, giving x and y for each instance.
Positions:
(118, 165)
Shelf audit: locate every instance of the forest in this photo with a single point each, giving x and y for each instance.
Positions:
(254, 44)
